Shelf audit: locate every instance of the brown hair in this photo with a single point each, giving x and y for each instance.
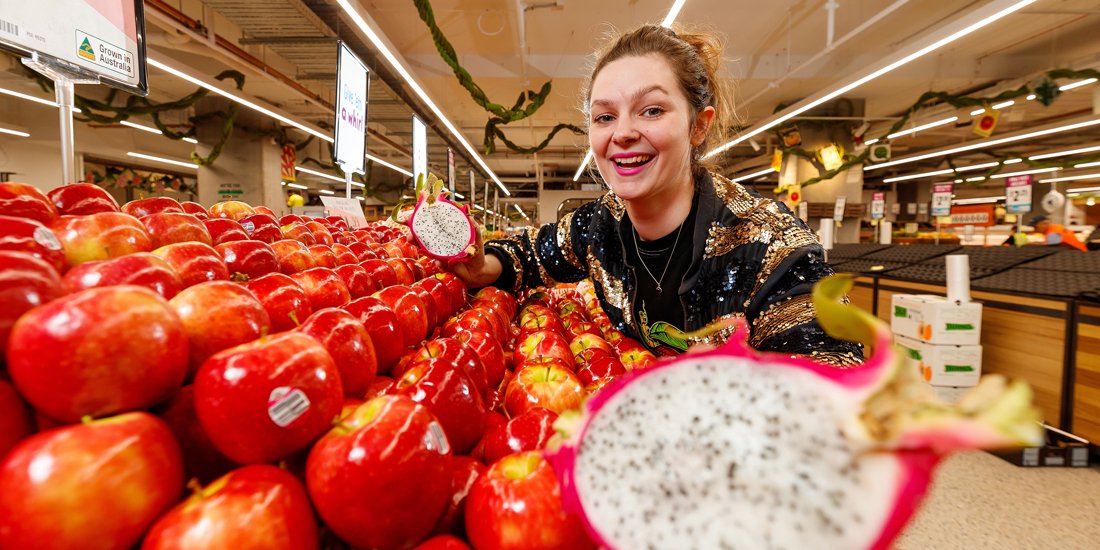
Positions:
(694, 57)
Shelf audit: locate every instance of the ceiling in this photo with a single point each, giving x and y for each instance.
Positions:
(777, 53)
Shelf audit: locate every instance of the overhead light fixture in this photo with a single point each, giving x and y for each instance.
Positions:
(361, 197)
(520, 210)
(1071, 178)
(1077, 84)
(459, 195)
(977, 112)
(1031, 97)
(380, 45)
(983, 200)
(978, 178)
(949, 171)
(14, 132)
(753, 175)
(584, 164)
(672, 13)
(1087, 165)
(297, 186)
(163, 160)
(1090, 201)
(1083, 190)
(921, 175)
(871, 141)
(141, 127)
(947, 120)
(326, 191)
(1025, 172)
(388, 165)
(986, 143)
(319, 174)
(1002, 105)
(190, 140)
(1065, 153)
(872, 74)
(39, 100)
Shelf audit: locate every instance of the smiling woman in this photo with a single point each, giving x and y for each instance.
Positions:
(672, 247)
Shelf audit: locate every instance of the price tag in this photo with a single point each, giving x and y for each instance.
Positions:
(1018, 194)
(910, 208)
(878, 206)
(838, 208)
(941, 199)
(351, 210)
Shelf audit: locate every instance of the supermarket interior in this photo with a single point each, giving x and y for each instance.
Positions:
(325, 354)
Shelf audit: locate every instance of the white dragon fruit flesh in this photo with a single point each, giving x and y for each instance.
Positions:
(732, 448)
(442, 228)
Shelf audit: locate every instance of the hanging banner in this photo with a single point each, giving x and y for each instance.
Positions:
(101, 38)
(286, 164)
(351, 111)
(941, 199)
(985, 123)
(1018, 194)
(878, 205)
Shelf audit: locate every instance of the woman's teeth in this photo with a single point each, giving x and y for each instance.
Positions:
(633, 162)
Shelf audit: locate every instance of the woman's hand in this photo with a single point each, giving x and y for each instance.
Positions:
(477, 269)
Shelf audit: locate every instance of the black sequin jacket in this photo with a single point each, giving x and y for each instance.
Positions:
(753, 259)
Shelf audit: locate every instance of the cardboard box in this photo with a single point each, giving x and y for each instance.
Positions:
(954, 366)
(1061, 449)
(933, 319)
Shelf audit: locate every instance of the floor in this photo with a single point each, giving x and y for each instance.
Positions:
(981, 501)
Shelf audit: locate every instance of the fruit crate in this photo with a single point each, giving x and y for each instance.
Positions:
(913, 253)
(1061, 449)
(1067, 260)
(855, 250)
(984, 261)
(1040, 281)
(863, 265)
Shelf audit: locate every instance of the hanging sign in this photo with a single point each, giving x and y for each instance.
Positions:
(351, 210)
(420, 149)
(104, 39)
(985, 123)
(970, 215)
(351, 111)
(895, 208)
(838, 208)
(287, 160)
(922, 209)
(1018, 194)
(878, 205)
(777, 160)
(941, 199)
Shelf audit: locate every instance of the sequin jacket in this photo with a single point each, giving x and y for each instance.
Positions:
(753, 259)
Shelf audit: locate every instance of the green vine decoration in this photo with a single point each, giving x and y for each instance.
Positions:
(119, 177)
(501, 115)
(1046, 91)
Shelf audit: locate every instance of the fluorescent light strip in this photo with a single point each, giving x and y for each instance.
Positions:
(1031, 97)
(584, 164)
(753, 175)
(319, 174)
(361, 197)
(459, 195)
(871, 142)
(21, 95)
(1086, 165)
(520, 210)
(1025, 172)
(983, 200)
(388, 165)
(977, 112)
(984, 144)
(164, 160)
(190, 140)
(1083, 190)
(999, 106)
(1065, 153)
(921, 175)
(672, 13)
(948, 120)
(1077, 84)
(1072, 178)
(978, 178)
(385, 51)
(326, 191)
(14, 132)
(297, 186)
(136, 126)
(873, 75)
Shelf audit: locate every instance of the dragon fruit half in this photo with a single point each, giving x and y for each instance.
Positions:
(442, 228)
(732, 448)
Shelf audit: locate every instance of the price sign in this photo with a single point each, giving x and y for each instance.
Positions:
(1018, 194)
(941, 199)
(878, 206)
(351, 210)
(838, 208)
(351, 111)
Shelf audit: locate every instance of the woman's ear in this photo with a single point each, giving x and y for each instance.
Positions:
(702, 124)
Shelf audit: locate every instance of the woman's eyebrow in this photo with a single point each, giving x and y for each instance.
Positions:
(635, 96)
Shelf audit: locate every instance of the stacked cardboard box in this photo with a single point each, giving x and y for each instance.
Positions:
(942, 339)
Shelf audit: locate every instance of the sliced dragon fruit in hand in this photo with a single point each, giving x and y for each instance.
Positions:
(441, 227)
(731, 448)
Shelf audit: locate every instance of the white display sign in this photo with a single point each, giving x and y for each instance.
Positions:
(351, 210)
(838, 208)
(351, 111)
(420, 149)
(104, 38)
(1018, 194)
(922, 209)
(878, 205)
(804, 211)
(895, 208)
(941, 199)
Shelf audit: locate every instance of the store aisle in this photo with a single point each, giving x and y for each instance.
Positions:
(981, 501)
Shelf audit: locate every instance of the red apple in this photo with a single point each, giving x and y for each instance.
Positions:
(201, 460)
(224, 230)
(143, 207)
(299, 232)
(493, 421)
(453, 352)
(473, 319)
(101, 484)
(430, 266)
(459, 293)
(194, 262)
(323, 256)
(529, 431)
(347, 341)
(293, 256)
(247, 260)
(257, 506)
(415, 267)
(141, 269)
(489, 351)
(639, 358)
(264, 210)
(540, 322)
(405, 275)
(384, 328)
(26, 201)
(543, 343)
(440, 295)
(100, 236)
(551, 387)
(98, 352)
(382, 385)
(320, 232)
(285, 301)
(290, 218)
(344, 254)
(450, 395)
(381, 272)
(362, 251)
(268, 399)
(588, 340)
(195, 209)
(516, 505)
(443, 542)
(410, 311)
(336, 221)
(234, 210)
(359, 283)
(31, 237)
(429, 306)
(16, 423)
(323, 286)
(218, 315)
(464, 472)
(78, 199)
(502, 296)
(599, 368)
(261, 227)
(175, 227)
(381, 477)
(26, 282)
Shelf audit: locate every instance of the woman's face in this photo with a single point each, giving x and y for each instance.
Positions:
(641, 128)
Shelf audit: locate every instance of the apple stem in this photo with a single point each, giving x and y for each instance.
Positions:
(294, 317)
(239, 277)
(86, 419)
(196, 488)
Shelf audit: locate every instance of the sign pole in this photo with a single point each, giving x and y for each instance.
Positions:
(347, 184)
(64, 91)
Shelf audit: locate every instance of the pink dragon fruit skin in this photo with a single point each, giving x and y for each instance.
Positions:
(877, 422)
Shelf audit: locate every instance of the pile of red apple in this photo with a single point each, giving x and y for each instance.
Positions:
(331, 387)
